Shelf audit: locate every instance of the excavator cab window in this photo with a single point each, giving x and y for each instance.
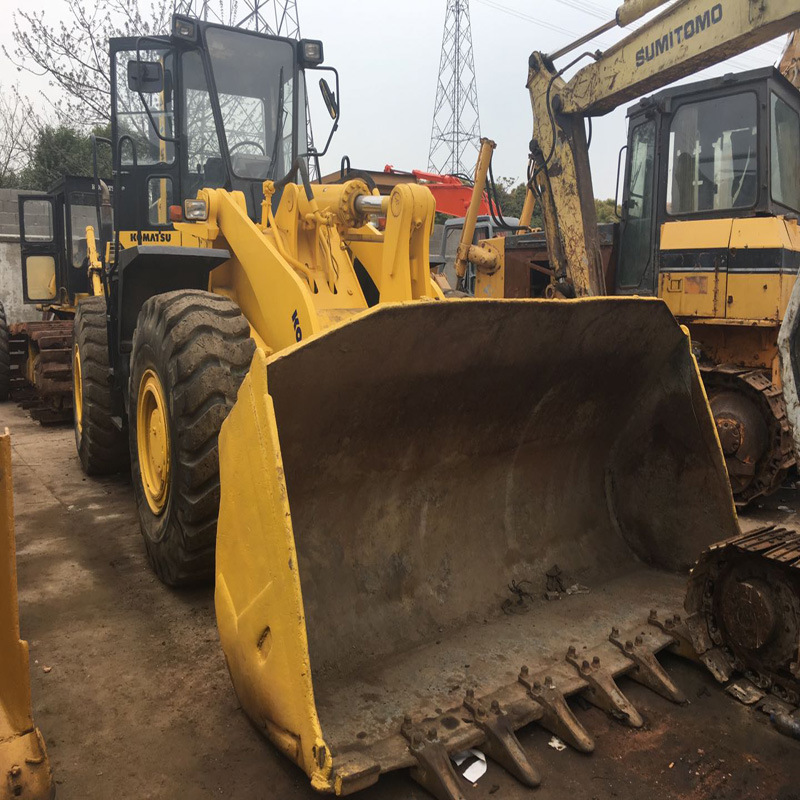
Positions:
(713, 155)
(784, 153)
(637, 229)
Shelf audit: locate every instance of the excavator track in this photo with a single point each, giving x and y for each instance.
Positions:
(743, 601)
(761, 472)
(41, 369)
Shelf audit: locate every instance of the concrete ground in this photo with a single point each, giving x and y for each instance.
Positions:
(131, 692)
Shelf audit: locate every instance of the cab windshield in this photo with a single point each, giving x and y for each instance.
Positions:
(254, 79)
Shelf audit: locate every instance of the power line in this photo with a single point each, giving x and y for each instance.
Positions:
(740, 62)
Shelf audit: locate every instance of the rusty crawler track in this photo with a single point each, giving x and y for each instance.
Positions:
(744, 605)
(755, 384)
(41, 369)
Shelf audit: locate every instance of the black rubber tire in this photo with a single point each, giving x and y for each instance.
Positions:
(102, 446)
(5, 357)
(199, 346)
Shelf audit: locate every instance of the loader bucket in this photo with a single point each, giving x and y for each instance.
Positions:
(394, 493)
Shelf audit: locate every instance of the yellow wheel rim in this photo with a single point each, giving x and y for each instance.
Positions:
(77, 388)
(152, 441)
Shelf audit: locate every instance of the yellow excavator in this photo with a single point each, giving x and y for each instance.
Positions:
(298, 400)
(24, 766)
(708, 221)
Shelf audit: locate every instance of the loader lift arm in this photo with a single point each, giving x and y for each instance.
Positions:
(689, 35)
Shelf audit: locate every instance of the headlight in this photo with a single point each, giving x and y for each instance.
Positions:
(196, 210)
(311, 52)
(183, 27)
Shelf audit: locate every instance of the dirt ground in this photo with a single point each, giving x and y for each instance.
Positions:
(137, 702)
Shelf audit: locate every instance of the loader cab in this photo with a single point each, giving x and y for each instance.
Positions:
(53, 242)
(717, 150)
(207, 107)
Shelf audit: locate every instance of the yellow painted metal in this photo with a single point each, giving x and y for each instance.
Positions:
(24, 766)
(153, 440)
(693, 294)
(491, 282)
(660, 51)
(754, 296)
(95, 264)
(258, 599)
(742, 296)
(77, 387)
(790, 59)
(300, 259)
(468, 229)
(694, 234)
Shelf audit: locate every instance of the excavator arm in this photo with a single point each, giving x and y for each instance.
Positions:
(790, 60)
(688, 36)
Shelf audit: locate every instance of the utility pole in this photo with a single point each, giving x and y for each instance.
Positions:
(264, 16)
(456, 131)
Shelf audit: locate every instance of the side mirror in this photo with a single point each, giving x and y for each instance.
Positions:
(331, 103)
(146, 77)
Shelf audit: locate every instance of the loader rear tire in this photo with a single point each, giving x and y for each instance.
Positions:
(191, 351)
(5, 357)
(102, 446)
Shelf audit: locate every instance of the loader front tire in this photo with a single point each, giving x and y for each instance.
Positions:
(5, 357)
(102, 446)
(191, 351)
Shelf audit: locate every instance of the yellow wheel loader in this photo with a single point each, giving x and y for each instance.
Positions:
(300, 402)
(24, 766)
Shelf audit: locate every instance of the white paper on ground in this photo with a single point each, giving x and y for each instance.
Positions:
(473, 771)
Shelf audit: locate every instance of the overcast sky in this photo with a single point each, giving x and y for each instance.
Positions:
(388, 56)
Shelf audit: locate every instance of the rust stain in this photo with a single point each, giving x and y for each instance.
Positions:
(695, 284)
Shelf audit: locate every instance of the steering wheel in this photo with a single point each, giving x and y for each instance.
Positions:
(251, 143)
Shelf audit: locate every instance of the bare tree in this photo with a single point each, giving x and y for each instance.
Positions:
(73, 55)
(18, 127)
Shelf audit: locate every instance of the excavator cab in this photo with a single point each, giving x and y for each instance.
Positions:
(698, 157)
(709, 225)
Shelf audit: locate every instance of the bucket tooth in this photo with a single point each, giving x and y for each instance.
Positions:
(647, 671)
(434, 771)
(674, 626)
(501, 744)
(557, 717)
(602, 690)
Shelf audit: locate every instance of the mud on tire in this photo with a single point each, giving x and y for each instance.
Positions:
(198, 345)
(5, 357)
(102, 446)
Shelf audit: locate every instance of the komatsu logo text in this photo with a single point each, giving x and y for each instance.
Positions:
(680, 34)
